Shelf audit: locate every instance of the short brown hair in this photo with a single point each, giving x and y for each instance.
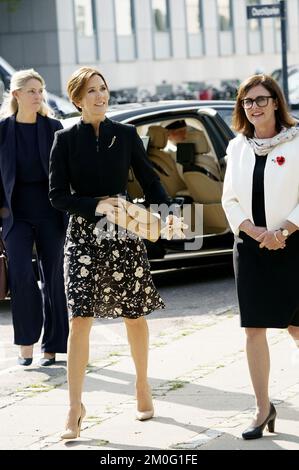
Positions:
(78, 81)
(282, 115)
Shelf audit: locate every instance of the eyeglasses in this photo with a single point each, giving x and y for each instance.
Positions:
(261, 101)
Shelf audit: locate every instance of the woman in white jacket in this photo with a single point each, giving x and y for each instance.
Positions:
(261, 202)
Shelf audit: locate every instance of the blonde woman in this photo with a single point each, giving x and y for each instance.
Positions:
(26, 136)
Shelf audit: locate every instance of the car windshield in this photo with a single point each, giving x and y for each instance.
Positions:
(62, 106)
(226, 115)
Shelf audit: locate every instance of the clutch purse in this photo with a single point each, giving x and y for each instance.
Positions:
(138, 220)
(143, 223)
(3, 272)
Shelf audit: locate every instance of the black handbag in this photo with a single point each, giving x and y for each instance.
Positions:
(4, 290)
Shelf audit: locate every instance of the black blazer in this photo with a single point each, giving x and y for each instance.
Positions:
(83, 167)
(46, 128)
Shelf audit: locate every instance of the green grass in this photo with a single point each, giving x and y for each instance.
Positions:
(102, 442)
(176, 384)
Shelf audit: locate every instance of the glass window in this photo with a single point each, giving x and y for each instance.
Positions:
(224, 15)
(87, 44)
(125, 30)
(161, 15)
(84, 17)
(124, 17)
(254, 25)
(255, 36)
(194, 19)
(194, 16)
(225, 26)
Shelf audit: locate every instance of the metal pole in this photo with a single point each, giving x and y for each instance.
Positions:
(284, 49)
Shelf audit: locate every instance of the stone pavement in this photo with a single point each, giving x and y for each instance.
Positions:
(203, 396)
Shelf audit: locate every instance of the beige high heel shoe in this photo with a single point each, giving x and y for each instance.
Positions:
(74, 433)
(144, 415)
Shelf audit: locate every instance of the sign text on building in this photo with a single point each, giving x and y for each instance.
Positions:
(263, 11)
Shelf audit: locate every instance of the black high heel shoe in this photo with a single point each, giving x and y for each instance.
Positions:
(47, 361)
(257, 432)
(25, 351)
(24, 361)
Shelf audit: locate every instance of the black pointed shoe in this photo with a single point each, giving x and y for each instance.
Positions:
(257, 431)
(23, 361)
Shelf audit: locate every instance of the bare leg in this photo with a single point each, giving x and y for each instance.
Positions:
(294, 332)
(49, 355)
(77, 359)
(138, 337)
(259, 368)
(26, 351)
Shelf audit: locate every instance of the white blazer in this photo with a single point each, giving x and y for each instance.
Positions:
(281, 184)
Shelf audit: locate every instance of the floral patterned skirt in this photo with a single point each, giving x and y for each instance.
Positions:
(107, 274)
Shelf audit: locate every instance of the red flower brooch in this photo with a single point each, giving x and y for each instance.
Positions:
(279, 160)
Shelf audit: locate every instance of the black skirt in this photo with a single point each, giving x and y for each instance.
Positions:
(267, 283)
(107, 273)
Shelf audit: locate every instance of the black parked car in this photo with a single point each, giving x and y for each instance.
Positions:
(193, 175)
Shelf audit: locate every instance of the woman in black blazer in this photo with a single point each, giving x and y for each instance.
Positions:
(26, 137)
(106, 275)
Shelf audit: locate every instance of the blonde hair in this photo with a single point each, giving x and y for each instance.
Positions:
(78, 81)
(17, 82)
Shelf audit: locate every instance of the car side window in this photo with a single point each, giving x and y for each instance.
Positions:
(219, 138)
(2, 90)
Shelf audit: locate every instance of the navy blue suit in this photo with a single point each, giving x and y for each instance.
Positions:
(28, 220)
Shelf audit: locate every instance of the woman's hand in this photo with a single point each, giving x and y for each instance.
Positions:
(109, 206)
(174, 228)
(252, 230)
(270, 240)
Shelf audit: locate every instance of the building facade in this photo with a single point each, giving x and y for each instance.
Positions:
(141, 43)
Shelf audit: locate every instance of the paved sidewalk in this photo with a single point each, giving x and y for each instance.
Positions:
(203, 397)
